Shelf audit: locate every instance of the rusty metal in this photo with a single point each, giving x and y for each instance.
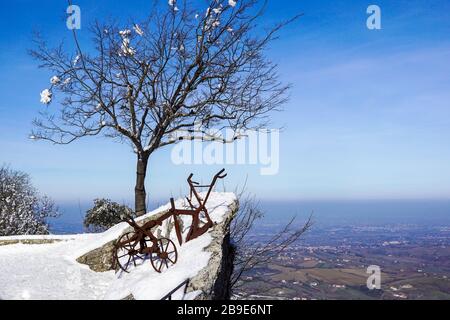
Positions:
(195, 210)
(163, 253)
(167, 257)
(141, 243)
(184, 284)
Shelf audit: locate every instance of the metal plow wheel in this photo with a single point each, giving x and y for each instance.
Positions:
(165, 256)
(125, 251)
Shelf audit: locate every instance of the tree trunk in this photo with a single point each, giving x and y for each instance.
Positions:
(139, 190)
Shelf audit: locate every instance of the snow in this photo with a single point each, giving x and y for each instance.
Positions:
(45, 272)
(75, 61)
(125, 33)
(125, 48)
(138, 30)
(190, 261)
(50, 271)
(46, 96)
(55, 80)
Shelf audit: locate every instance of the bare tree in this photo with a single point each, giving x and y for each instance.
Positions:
(248, 254)
(180, 69)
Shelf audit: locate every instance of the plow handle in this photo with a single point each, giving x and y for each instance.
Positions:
(189, 179)
(219, 174)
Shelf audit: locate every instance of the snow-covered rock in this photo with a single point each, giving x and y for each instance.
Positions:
(52, 269)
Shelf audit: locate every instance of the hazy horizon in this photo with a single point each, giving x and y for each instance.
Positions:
(325, 213)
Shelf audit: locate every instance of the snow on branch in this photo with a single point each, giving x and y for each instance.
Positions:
(141, 82)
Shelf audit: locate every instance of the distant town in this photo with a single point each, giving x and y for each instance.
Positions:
(331, 263)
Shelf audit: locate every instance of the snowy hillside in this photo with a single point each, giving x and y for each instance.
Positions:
(50, 271)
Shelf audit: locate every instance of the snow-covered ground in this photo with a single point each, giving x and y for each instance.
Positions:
(50, 271)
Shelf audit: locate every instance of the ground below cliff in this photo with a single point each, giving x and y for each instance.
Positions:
(79, 266)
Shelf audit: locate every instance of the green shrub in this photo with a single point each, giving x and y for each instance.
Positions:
(105, 214)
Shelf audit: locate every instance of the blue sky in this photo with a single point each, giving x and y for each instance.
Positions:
(369, 115)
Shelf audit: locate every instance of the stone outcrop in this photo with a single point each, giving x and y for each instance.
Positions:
(101, 259)
(28, 241)
(213, 281)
